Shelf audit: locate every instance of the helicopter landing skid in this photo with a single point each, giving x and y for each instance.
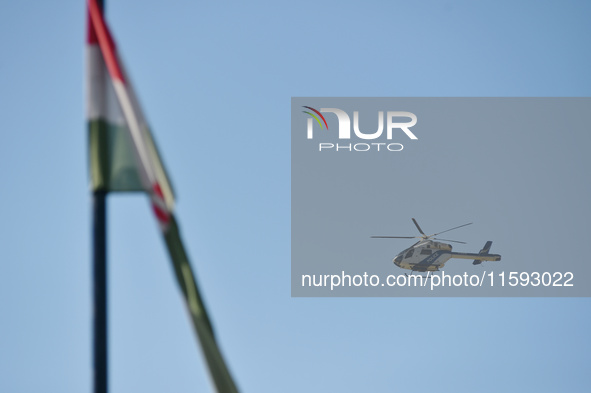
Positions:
(427, 276)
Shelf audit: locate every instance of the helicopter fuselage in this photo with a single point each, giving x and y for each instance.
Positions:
(423, 256)
(431, 256)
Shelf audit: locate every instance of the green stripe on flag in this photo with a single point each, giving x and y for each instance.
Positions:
(98, 146)
(201, 323)
(112, 163)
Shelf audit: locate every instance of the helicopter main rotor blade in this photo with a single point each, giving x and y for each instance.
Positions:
(418, 227)
(394, 237)
(447, 230)
(447, 240)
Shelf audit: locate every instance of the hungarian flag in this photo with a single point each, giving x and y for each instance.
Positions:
(123, 157)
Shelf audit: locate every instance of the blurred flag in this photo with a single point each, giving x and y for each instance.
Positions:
(124, 157)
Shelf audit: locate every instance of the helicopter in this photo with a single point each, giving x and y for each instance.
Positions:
(428, 255)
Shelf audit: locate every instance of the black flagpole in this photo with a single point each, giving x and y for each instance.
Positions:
(99, 260)
(99, 205)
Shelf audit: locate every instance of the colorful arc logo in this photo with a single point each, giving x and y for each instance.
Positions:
(316, 117)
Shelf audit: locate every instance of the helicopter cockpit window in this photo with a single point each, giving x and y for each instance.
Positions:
(425, 252)
(409, 253)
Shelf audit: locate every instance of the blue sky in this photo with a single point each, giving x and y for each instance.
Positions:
(215, 80)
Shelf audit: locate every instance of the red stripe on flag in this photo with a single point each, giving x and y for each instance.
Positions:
(105, 40)
(158, 191)
(90, 34)
(161, 214)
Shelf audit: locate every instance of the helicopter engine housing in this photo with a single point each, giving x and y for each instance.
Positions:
(441, 246)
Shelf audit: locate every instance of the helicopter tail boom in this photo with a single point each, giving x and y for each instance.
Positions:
(479, 257)
(483, 255)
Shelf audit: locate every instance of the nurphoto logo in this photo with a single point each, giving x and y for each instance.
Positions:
(393, 122)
